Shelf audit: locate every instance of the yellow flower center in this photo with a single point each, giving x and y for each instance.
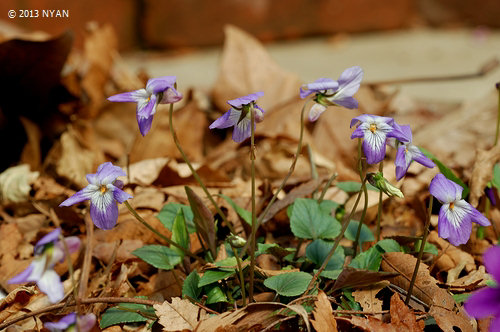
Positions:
(452, 205)
(103, 189)
(373, 127)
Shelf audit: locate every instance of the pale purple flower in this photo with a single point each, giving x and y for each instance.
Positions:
(330, 92)
(486, 302)
(407, 152)
(374, 130)
(48, 251)
(158, 90)
(68, 323)
(456, 215)
(103, 191)
(239, 116)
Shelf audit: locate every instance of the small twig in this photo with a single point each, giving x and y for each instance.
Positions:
(485, 69)
(73, 303)
(201, 305)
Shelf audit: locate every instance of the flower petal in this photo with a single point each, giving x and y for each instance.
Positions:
(107, 173)
(315, 111)
(50, 237)
(132, 96)
(86, 322)
(144, 124)
(454, 225)
(62, 324)
(347, 102)
(401, 163)
(147, 108)
(349, 81)
(227, 120)
(374, 148)
(51, 285)
(72, 242)
(170, 96)
(357, 133)
(483, 303)
(104, 216)
(80, 196)
(242, 130)
(238, 102)
(490, 258)
(160, 84)
(419, 157)
(120, 195)
(478, 217)
(321, 84)
(22, 277)
(445, 190)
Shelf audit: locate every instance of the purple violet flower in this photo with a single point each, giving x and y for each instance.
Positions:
(330, 92)
(407, 152)
(490, 193)
(48, 251)
(68, 323)
(103, 191)
(158, 90)
(375, 130)
(486, 302)
(239, 116)
(456, 215)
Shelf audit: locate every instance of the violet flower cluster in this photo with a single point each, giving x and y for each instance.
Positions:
(329, 92)
(486, 302)
(103, 191)
(73, 323)
(48, 251)
(239, 116)
(158, 90)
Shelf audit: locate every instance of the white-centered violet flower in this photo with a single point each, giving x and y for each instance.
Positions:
(456, 215)
(330, 92)
(407, 152)
(48, 251)
(158, 90)
(103, 191)
(375, 130)
(239, 116)
(70, 322)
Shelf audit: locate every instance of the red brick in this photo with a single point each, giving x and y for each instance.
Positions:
(121, 14)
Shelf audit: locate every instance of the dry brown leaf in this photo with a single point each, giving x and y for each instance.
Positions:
(15, 184)
(104, 250)
(350, 277)
(246, 67)
(402, 317)
(31, 154)
(455, 254)
(148, 198)
(15, 301)
(323, 314)
(450, 321)
(372, 324)
(179, 315)
(366, 297)
(10, 265)
(145, 172)
(482, 171)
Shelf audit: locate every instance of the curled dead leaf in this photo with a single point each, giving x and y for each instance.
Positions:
(180, 314)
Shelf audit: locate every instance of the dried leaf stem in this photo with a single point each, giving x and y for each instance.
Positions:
(193, 171)
(421, 251)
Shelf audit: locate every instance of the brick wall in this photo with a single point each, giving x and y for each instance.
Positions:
(185, 23)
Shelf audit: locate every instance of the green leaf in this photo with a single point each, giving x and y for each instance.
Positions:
(115, 315)
(159, 256)
(215, 295)
(353, 186)
(308, 221)
(461, 298)
(190, 286)
(211, 276)
(368, 260)
(289, 284)
(496, 176)
(180, 233)
(388, 245)
(244, 214)
(448, 173)
(169, 212)
(366, 234)
(317, 251)
(429, 248)
(330, 274)
(328, 207)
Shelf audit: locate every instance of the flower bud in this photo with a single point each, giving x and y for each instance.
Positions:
(377, 180)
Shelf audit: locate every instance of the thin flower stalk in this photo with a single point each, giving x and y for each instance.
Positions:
(166, 239)
(240, 273)
(193, 171)
(325, 188)
(420, 252)
(254, 219)
(362, 175)
(497, 132)
(379, 212)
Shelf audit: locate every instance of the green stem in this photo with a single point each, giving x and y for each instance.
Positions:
(240, 272)
(254, 219)
(498, 115)
(337, 240)
(420, 252)
(172, 243)
(193, 171)
(290, 171)
(379, 213)
(325, 188)
(361, 220)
